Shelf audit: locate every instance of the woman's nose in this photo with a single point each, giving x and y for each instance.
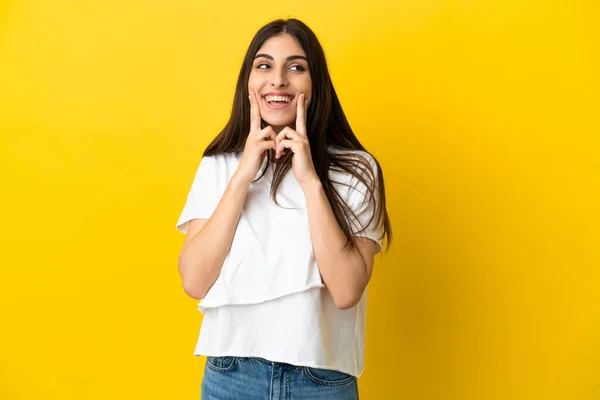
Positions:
(279, 79)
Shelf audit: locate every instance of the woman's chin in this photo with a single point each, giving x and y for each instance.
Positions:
(278, 122)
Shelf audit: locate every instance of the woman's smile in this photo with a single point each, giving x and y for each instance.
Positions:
(278, 100)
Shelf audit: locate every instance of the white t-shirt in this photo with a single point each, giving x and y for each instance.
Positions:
(269, 300)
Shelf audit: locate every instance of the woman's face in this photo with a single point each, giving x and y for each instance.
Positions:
(279, 75)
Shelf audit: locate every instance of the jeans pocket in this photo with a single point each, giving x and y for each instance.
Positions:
(221, 364)
(328, 377)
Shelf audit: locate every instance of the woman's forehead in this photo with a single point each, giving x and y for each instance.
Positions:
(281, 46)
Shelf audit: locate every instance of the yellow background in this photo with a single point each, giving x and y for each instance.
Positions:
(483, 114)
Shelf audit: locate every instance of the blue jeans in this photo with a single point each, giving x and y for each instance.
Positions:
(235, 378)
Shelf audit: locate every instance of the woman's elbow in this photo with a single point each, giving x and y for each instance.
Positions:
(346, 300)
(344, 305)
(193, 290)
(192, 287)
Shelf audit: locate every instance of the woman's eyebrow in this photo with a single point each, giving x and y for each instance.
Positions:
(287, 59)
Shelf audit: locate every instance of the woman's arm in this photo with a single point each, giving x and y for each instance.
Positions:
(345, 273)
(208, 241)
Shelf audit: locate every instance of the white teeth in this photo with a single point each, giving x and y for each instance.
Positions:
(287, 99)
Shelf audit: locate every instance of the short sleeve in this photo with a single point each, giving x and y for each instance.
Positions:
(203, 197)
(365, 206)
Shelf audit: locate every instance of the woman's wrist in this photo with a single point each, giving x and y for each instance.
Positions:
(239, 181)
(311, 185)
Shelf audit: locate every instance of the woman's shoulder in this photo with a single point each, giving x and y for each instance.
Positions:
(218, 167)
(363, 161)
(223, 157)
(352, 153)
(357, 175)
(222, 160)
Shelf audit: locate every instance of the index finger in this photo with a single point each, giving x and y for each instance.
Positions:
(301, 115)
(254, 113)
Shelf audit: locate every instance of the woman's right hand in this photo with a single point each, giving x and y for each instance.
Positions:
(258, 142)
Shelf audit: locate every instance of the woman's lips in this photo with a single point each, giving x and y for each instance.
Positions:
(277, 105)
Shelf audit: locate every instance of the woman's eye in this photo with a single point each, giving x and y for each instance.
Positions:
(298, 68)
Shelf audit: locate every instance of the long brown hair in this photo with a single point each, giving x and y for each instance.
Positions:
(326, 126)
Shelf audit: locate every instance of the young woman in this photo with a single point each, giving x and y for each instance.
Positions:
(280, 261)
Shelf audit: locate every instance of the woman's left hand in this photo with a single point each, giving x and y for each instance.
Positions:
(302, 163)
